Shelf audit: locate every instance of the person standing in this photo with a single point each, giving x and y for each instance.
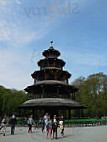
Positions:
(13, 122)
(30, 123)
(55, 125)
(61, 125)
(4, 125)
(49, 127)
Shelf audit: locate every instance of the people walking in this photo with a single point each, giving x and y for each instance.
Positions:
(46, 120)
(43, 125)
(1, 127)
(13, 122)
(54, 127)
(61, 125)
(49, 127)
(30, 123)
(4, 125)
(40, 122)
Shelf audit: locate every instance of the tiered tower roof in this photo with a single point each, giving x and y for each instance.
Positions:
(51, 87)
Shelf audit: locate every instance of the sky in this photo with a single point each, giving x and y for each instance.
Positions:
(78, 29)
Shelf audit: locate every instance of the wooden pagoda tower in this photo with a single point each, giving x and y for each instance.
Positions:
(51, 91)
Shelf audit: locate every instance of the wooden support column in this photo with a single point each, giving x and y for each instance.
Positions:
(82, 113)
(36, 113)
(24, 112)
(69, 114)
(64, 113)
(74, 95)
(58, 91)
(43, 90)
(19, 112)
(33, 112)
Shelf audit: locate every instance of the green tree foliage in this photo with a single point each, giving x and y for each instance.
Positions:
(10, 99)
(93, 94)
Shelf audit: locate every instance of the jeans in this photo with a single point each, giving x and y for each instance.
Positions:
(12, 129)
(55, 132)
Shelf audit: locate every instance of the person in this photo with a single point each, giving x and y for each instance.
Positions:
(4, 125)
(1, 127)
(54, 127)
(13, 122)
(61, 124)
(49, 127)
(30, 123)
(43, 125)
(40, 122)
(46, 120)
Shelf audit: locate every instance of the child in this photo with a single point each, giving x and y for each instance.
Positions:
(61, 125)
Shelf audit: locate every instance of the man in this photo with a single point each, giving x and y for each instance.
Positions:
(55, 125)
(13, 122)
(30, 123)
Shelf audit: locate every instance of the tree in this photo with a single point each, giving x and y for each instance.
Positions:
(93, 94)
(10, 100)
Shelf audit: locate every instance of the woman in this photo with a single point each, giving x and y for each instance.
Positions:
(4, 125)
(55, 125)
(49, 127)
(45, 120)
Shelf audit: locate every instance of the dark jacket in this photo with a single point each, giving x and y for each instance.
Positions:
(13, 121)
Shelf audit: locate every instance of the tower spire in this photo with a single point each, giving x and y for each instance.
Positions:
(51, 42)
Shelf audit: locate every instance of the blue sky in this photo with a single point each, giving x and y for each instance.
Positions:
(77, 27)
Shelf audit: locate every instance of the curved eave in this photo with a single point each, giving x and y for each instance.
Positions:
(34, 75)
(50, 83)
(51, 102)
(49, 51)
(45, 60)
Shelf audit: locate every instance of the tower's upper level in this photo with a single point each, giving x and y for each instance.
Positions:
(51, 67)
(51, 53)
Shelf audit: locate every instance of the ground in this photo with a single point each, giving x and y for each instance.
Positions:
(77, 134)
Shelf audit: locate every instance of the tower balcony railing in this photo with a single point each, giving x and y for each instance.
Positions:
(48, 95)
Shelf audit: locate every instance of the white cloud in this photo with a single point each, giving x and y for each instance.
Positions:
(17, 29)
(14, 35)
(3, 2)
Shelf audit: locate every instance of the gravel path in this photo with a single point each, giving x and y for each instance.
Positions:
(79, 134)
